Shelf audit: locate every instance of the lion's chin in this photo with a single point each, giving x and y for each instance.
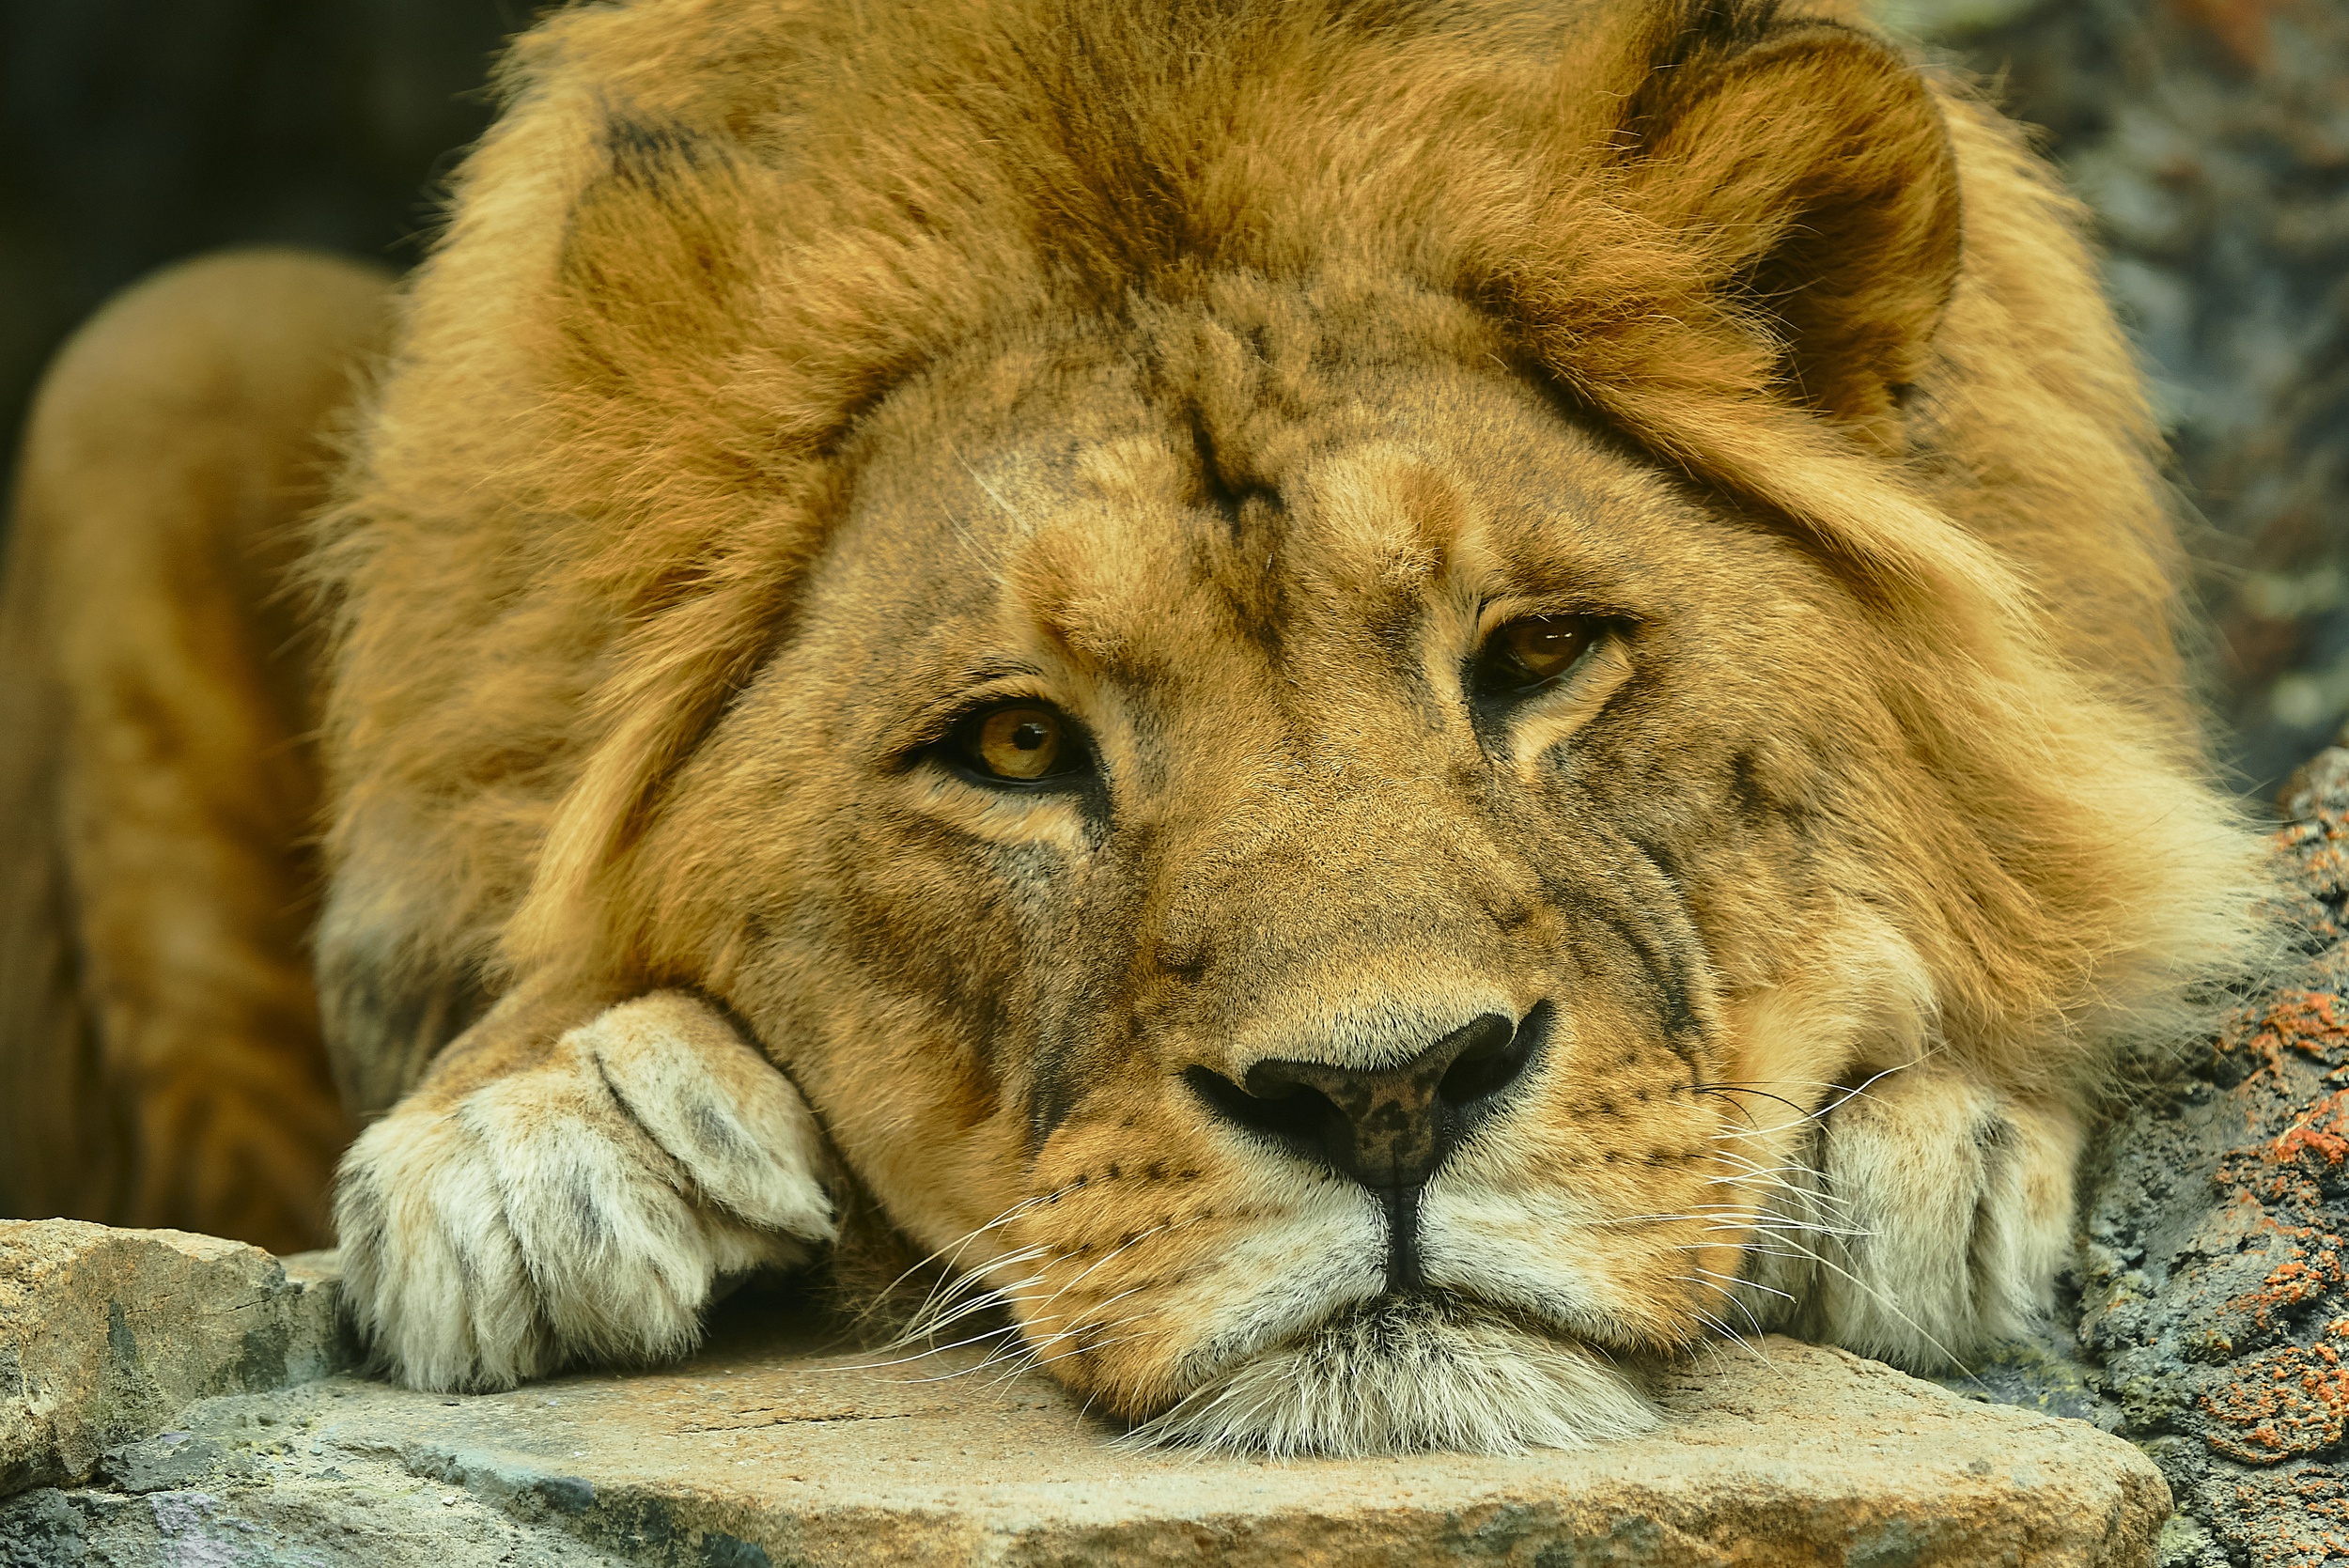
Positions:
(1397, 1375)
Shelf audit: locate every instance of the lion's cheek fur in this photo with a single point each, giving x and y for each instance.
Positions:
(892, 981)
(911, 1110)
(1137, 1297)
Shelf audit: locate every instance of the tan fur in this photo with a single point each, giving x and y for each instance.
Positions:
(794, 377)
(160, 1062)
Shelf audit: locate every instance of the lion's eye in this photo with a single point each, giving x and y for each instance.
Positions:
(1020, 743)
(1535, 649)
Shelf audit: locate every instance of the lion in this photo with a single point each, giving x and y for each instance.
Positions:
(1361, 715)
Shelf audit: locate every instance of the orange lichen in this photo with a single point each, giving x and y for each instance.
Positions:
(2305, 1532)
(2320, 1130)
(2300, 1279)
(2281, 1403)
(2308, 1022)
(2321, 849)
(2286, 1408)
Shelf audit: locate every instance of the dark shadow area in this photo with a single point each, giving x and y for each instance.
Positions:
(139, 132)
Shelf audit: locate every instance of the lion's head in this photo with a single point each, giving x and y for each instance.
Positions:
(1321, 672)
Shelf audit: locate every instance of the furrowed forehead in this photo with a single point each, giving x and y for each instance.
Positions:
(1090, 500)
(1030, 508)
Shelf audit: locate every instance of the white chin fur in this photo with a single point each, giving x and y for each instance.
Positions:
(1399, 1376)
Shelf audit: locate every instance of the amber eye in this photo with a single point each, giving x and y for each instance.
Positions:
(1538, 648)
(1022, 744)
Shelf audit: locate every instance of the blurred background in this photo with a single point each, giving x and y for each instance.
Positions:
(2211, 136)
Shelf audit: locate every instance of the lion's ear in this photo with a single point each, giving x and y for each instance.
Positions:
(1809, 164)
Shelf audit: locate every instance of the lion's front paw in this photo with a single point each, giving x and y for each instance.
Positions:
(1944, 1213)
(582, 1207)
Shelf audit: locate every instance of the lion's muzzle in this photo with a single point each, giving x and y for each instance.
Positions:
(1389, 1128)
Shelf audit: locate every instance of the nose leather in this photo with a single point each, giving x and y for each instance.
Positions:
(1388, 1127)
(1388, 1132)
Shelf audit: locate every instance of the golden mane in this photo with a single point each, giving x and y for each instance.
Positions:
(705, 238)
(1260, 671)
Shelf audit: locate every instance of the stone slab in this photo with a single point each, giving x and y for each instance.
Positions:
(768, 1450)
(106, 1334)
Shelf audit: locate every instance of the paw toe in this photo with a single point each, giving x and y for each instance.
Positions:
(433, 1277)
(733, 1123)
(584, 1205)
(1955, 1206)
(615, 1251)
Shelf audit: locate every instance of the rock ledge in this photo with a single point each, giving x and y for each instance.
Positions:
(768, 1450)
(106, 1334)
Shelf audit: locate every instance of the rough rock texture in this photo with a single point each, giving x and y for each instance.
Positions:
(106, 1334)
(764, 1451)
(2212, 1321)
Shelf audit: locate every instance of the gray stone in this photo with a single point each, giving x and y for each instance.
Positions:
(41, 1529)
(106, 1334)
(768, 1450)
(159, 1464)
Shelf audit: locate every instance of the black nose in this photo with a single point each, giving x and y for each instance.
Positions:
(1389, 1128)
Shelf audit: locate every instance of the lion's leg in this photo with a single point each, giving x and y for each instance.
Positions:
(543, 1196)
(163, 786)
(1945, 1210)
